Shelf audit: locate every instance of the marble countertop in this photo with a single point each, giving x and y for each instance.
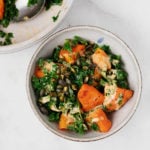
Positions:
(19, 127)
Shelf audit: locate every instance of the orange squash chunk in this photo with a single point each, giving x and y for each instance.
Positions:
(38, 72)
(99, 117)
(69, 57)
(64, 121)
(101, 59)
(89, 97)
(97, 74)
(1, 9)
(79, 49)
(118, 99)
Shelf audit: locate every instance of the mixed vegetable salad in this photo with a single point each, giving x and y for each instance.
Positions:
(8, 12)
(80, 84)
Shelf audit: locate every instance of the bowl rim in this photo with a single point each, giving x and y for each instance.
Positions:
(41, 36)
(80, 27)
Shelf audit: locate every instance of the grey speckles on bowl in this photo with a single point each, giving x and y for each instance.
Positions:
(120, 117)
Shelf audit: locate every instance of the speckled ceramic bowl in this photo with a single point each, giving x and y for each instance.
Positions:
(98, 35)
(28, 33)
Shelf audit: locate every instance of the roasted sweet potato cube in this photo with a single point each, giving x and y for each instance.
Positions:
(79, 48)
(99, 117)
(97, 74)
(69, 57)
(116, 97)
(101, 59)
(89, 97)
(1, 9)
(38, 72)
(65, 120)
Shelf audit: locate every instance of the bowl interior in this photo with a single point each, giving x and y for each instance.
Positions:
(98, 35)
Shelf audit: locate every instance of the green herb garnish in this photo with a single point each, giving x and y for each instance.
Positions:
(32, 2)
(50, 3)
(5, 38)
(56, 17)
(94, 127)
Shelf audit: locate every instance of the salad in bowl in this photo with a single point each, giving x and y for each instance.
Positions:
(84, 83)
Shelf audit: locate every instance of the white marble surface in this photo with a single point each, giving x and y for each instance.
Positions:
(19, 127)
